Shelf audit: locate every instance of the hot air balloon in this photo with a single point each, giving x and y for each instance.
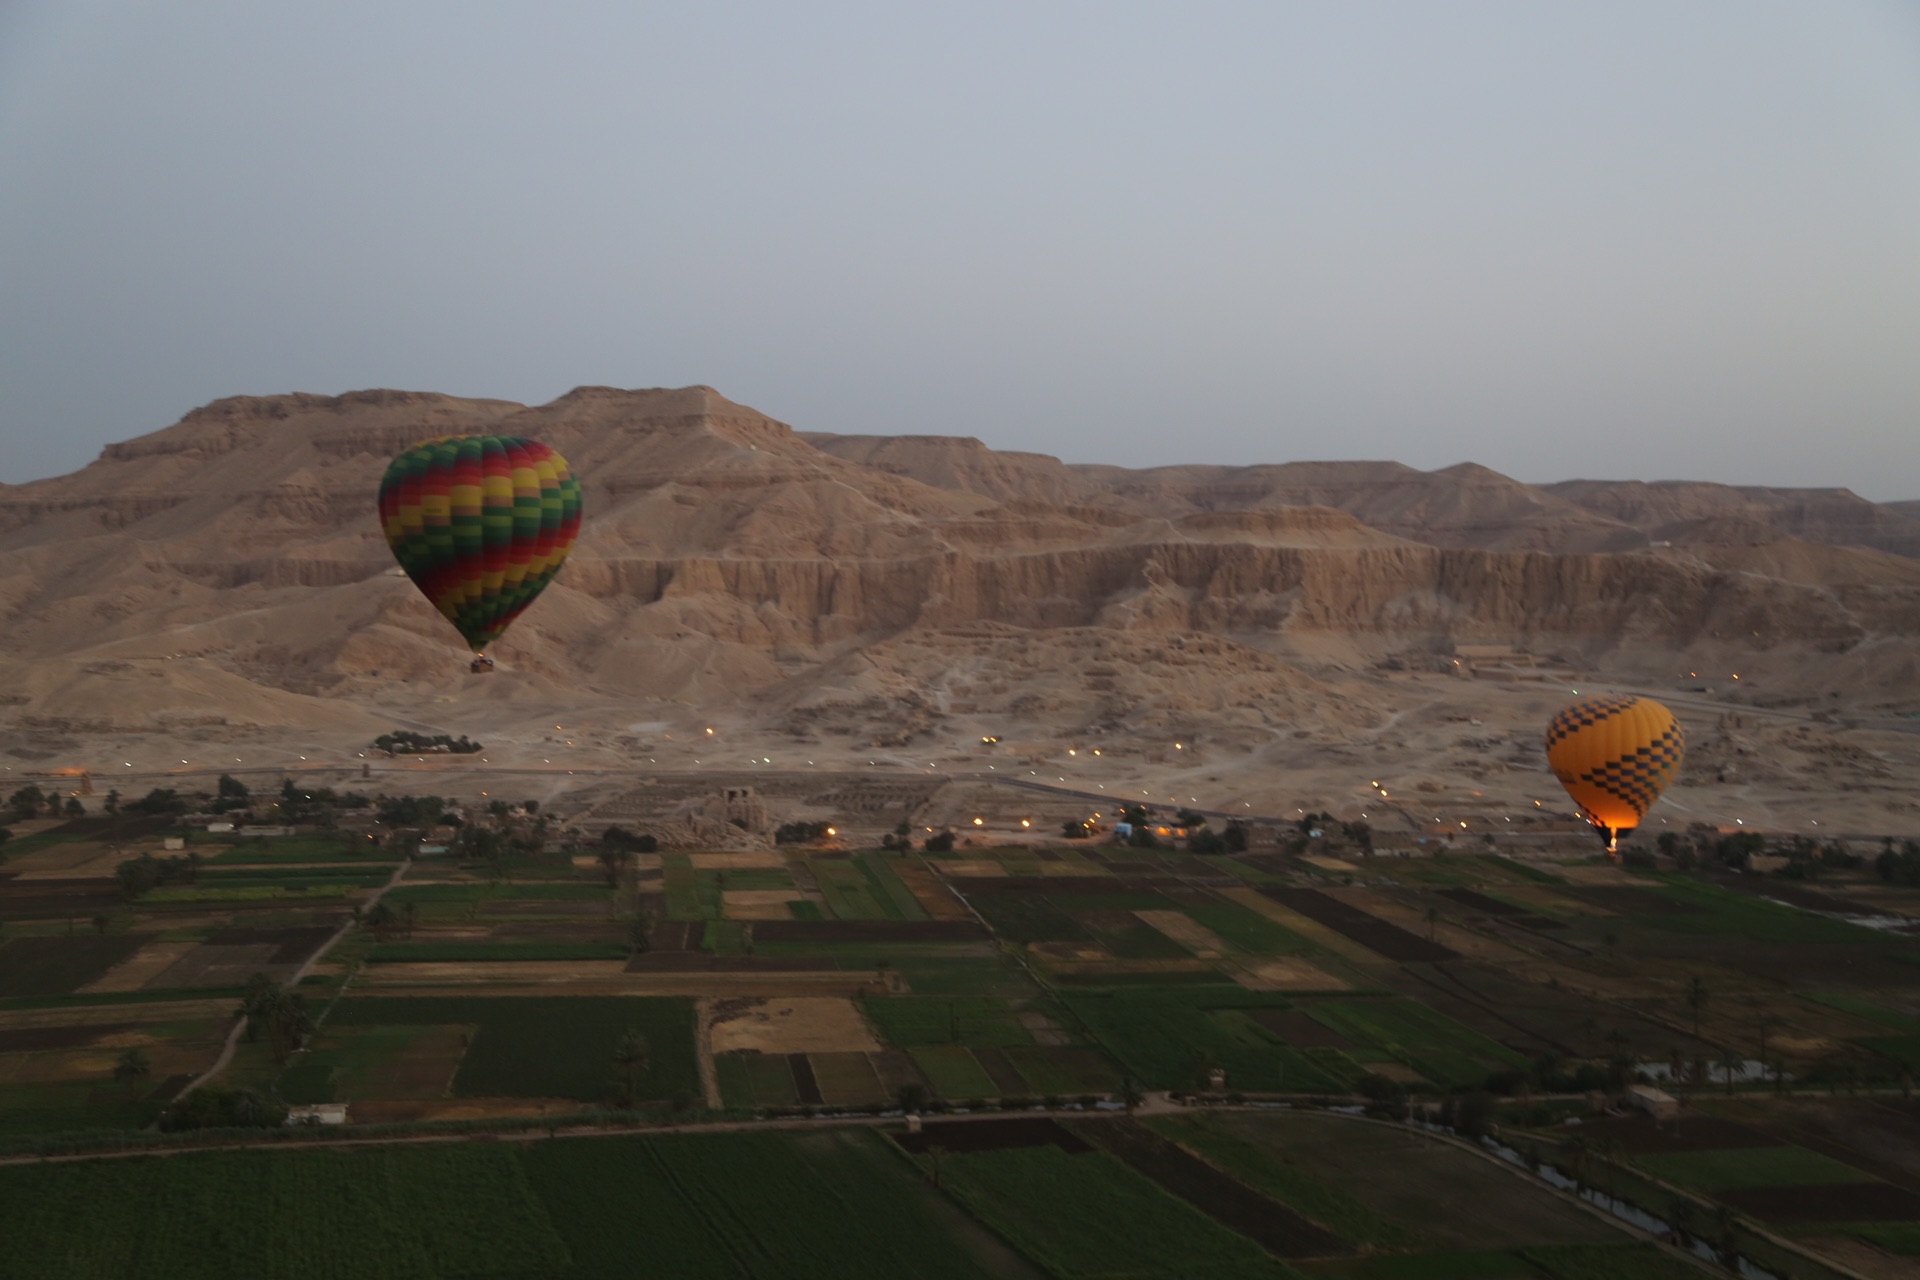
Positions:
(1615, 756)
(481, 524)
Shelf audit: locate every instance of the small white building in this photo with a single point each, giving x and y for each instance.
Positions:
(319, 1113)
(1657, 1103)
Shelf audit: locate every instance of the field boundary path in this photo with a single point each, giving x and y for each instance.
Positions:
(240, 1022)
(703, 1051)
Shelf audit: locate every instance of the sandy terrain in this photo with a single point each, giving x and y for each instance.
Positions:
(790, 1025)
(923, 630)
(1180, 926)
(759, 904)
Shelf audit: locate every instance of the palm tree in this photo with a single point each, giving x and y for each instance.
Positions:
(1618, 1039)
(1576, 1149)
(1731, 1063)
(133, 1067)
(1589, 1026)
(1696, 1000)
(1724, 1222)
(631, 1056)
(281, 1013)
(1680, 1217)
(1433, 921)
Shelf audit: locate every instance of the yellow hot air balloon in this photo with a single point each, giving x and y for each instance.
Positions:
(1615, 756)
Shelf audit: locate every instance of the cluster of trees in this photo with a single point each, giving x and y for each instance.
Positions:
(1202, 838)
(146, 873)
(1139, 818)
(384, 920)
(414, 811)
(801, 832)
(1806, 858)
(224, 1109)
(1901, 867)
(621, 838)
(278, 1012)
(31, 802)
(405, 742)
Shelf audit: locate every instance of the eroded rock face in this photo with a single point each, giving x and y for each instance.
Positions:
(727, 558)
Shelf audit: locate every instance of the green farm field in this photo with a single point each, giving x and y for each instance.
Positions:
(1088, 1215)
(544, 1048)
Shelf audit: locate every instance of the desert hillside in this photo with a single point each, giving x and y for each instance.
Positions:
(223, 583)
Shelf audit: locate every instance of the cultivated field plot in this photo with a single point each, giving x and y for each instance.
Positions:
(1166, 1037)
(391, 1211)
(1274, 1227)
(348, 1063)
(865, 888)
(824, 1205)
(1410, 1033)
(1371, 932)
(1385, 1188)
(1090, 1215)
(524, 1047)
(55, 966)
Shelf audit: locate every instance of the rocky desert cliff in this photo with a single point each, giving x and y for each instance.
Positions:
(229, 570)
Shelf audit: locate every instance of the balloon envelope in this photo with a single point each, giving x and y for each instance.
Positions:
(481, 524)
(1615, 756)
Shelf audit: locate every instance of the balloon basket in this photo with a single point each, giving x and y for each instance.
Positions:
(480, 666)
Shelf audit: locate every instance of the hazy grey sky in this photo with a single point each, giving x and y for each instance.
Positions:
(1660, 239)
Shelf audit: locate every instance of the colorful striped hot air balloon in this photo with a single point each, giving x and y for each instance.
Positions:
(481, 524)
(1615, 756)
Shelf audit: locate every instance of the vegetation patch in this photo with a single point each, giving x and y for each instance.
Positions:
(1089, 1215)
(445, 1210)
(1709, 909)
(1248, 931)
(914, 1021)
(1618, 1262)
(1295, 1184)
(548, 1048)
(1169, 1037)
(1749, 1167)
(481, 952)
(55, 966)
(954, 1073)
(1411, 1033)
(815, 1206)
(756, 1079)
(1233, 1204)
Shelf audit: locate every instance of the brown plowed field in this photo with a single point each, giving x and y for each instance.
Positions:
(992, 1135)
(1273, 1226)
(1000, 1069)
(805, 1086)
(1830, 1202)
(1482, 903)
(1299, 1030)
(708, 962)
(1640, 1135)
(34, 1039)
(994, 885)
(291, 946)
(57, 966)
(931, 893)
(1369, 931)
(830, 931)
